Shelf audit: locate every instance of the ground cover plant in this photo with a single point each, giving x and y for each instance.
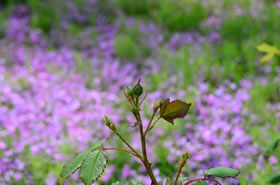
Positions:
(65, 64)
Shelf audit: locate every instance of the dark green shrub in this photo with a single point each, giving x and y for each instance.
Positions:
(179, 15)
(136, 7)
(237, 28)
(10, 2)
(44, 13)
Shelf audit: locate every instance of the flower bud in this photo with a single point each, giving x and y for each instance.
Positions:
(137, 90)
(110, 123)
(186, 155)
(129, 92)
(156, 105)
(184, 159)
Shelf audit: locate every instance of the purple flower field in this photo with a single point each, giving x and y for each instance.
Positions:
(56, 87)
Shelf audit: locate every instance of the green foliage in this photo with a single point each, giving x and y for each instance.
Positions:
(11, 2)
(84, 161)
(3, 17)
(237, 28)
(180, 15)
(69, 168)
(275, 179)
(117, 183)
(222, 172)
(93, 167)
(269, 50)
(136, 7)
(200, 183)
(45, 14)
(126, 47)
(273, 147)
(136, 182)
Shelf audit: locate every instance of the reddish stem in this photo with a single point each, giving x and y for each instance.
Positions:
(203, 179)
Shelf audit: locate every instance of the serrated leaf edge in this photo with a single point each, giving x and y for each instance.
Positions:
(102, 172)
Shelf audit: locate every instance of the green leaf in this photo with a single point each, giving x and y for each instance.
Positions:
(72, 166)
(93, 167)
(117, 183)
(136, 182)
(267, 57)
(274, 179)
(200, 183)
(182, 179)
(270, 51)
(173, 110)
(266, 48)
(222, 172)
(97, 145)
(171, 181)
(273, 146)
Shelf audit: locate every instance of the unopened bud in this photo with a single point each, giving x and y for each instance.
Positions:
(186, 155)
(156, 105)
(129, 92)
(110, 123)
(137, 89)
(184, 159)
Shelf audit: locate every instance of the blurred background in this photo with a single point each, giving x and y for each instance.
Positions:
(64, 64)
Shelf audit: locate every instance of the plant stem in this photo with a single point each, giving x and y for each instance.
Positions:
(153, 125)
(119, 149)
(203, 179)
(144, 151)
(143, 144)
(150, 122)
(129, 146)
(178, 175)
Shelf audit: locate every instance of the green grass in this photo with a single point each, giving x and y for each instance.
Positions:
(180, 15)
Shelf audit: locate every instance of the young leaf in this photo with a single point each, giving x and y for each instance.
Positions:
(273, 146)
(93, 167)
(275, 179)
(136, 182)
(163, 105)
(221, 172)
(268, 48)
(270, 51)
(267, 57)
(200, 183)
(173, 110)
(72, 166)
